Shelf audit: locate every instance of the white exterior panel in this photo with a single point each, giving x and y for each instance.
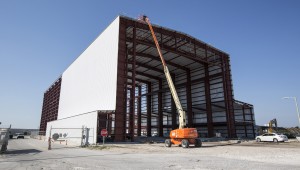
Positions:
(71, 128)
(90, 82)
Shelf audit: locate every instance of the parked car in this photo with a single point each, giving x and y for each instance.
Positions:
(19, 136)
(271, 137)
(298, 137)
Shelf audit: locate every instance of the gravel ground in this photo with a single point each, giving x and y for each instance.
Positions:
(33, 154)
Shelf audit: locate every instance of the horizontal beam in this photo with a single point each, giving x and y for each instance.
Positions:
(173, 33)
(173, 50)
(158, 59)
(139, 64)
(145, 75)
(184, 84)
(139, 80)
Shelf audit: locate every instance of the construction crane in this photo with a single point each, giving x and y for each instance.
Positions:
(271, 123)
(182, 136)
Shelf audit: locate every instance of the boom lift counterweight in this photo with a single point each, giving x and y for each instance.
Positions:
(182, 136)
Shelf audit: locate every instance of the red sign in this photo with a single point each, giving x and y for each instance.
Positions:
(103, 132)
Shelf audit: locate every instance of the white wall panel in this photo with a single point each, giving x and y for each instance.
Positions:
(90, 81)
(72, 127)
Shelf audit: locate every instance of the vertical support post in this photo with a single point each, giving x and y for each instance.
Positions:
(132, 94)
(244, 119)
(173, 110)
(208, 103)
(121, 85)
(189, 99)
(252, 120)
(125, 115)
(109, 123)
(160, 112)
(227, 87)
(139, 111)
(131, 114)
(149, 109)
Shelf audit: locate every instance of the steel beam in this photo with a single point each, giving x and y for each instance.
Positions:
(139, 80)
(189, 99)
(253, 123)
(173, 110)
(228, 97)
(121, 85)
(149, 110)
(160, 112)
(132, 92)
(150, 67)
(146, 75)
(186, 54)
(184, 84)
(156, 58)
(139, 64)
(244, 123)
(172, 33)
(139, 111)
(208, 103)
(221, 107)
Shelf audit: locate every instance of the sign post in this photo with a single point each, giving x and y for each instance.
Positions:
(103, 134)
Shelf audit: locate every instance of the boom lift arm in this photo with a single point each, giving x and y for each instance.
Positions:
(182, 136)
(182, 114)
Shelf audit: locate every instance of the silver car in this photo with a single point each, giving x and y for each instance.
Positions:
(271, 137)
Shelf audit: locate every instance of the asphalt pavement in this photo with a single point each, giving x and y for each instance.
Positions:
(34, 154)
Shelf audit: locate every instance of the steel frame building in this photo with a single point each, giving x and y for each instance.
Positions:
(142, 104)
(50, 105)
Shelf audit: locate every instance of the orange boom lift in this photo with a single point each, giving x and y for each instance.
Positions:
(182, 136)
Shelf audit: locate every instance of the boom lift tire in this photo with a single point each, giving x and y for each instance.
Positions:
(198, 143)
(168, 143)
(185, 143)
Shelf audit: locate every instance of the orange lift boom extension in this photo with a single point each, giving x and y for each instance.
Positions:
(182, 136)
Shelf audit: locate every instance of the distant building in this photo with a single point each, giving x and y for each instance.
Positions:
(118, 84)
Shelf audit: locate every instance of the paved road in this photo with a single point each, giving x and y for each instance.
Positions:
(33, 154)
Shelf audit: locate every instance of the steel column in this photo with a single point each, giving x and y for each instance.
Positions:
(173, 110)
(160, 112)
(252, 120)
(139, 111)
(132, 94)
(208, 103)
(228, 97)
(149, 110)
(244, 123)
(189, 99)
(121, 85)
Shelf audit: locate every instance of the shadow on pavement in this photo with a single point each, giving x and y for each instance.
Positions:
(217, 145)
(22, 152)
(59, 158)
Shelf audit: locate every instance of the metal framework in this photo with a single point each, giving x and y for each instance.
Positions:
(202, 78)
(50, 105)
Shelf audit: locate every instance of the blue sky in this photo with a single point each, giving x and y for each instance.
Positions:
(40, 39)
